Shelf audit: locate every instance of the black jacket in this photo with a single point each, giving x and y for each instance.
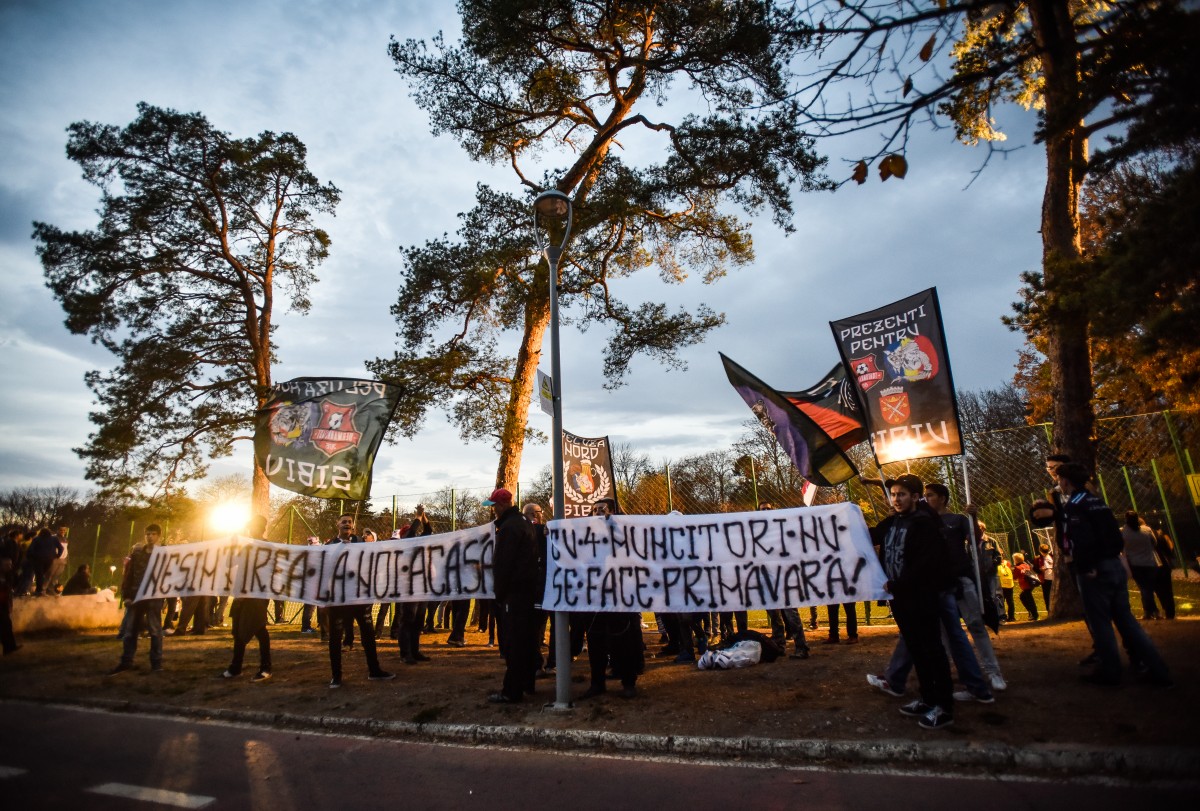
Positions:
(1092, 533)
(514, 561)
(923, 557)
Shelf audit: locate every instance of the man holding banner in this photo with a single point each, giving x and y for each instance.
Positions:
(515, 582)
(339, 615)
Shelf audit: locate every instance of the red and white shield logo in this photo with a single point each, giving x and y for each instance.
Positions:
(335, 431)
(894, 407)
(865, 371)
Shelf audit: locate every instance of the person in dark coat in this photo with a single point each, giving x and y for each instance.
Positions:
(515, 582)
(916, 563)
(80, 582)
(249, 615)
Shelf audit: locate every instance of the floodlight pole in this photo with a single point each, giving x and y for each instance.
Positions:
(554, 204)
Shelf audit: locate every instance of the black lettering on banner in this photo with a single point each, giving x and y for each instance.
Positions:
(262, 559)
(337, 585)
(362, 574)
(435, 571)
(298, 571)
(209, 568)
(155, 573)
(416, 571)
(381, 584)
(743, 546)
(452, 570)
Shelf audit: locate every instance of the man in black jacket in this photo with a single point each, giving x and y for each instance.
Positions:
(1091, 543)
(915, 561)
(342, 616)
(514, 577)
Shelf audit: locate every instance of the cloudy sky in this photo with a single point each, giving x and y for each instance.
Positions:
(320, 70)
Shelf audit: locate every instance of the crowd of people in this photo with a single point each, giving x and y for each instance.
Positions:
(948, 582)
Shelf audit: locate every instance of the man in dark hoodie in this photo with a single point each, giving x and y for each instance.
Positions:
(915, 560)
(514, 576)
(1091, 543)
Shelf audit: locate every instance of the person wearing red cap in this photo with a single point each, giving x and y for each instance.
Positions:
(515, 582)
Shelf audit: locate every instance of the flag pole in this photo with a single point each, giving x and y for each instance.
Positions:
(971, 532)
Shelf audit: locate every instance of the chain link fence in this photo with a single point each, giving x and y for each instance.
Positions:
(1143, 465)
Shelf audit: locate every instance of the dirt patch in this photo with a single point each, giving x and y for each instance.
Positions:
(825, 696)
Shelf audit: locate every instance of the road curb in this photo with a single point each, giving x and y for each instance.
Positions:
(1061, 760)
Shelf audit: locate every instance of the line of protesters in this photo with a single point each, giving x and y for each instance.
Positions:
(941, 574)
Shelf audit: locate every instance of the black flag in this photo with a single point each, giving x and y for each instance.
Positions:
(814, 453)
(897, 356)
(833, 405)
(587, 474)
(318, 436)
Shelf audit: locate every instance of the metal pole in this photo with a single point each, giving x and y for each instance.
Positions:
(453, 509)
(131, 536)
(562, 633)
(754, 482)
(670, 500)
(393, 515)
(291, 522)
(96, 549)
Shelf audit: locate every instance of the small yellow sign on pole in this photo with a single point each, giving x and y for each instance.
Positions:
(1193, 481)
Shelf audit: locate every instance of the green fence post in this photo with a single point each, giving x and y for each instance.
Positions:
(291, 522)
(1167, 508)
(1129, 487)
(393, 515)
(95, 551)
(1183, 471)
(1100, 481)
(670, 500)
(131, 536)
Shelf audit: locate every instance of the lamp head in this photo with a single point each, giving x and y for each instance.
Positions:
(552, 204)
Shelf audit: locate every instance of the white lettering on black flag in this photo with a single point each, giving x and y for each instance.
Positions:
(718, 562)
(897, 356)
(450, 566)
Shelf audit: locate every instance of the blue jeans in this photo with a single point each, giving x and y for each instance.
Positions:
(1105, 604)
(146, 614)
(955, 640)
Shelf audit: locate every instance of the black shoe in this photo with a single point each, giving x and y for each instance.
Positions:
(420, 657)
(382, 675)
(260, 676)
(121, 668)
(915, 709)
(1089, 660)
(408, 660)
(156, 668)
(628, 692)
(335, 683)
(801, 653)
(500, 698)
(1099, 680)
(592, 692)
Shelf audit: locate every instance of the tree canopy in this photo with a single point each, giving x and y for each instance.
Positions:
(198, 232)
(554, 89)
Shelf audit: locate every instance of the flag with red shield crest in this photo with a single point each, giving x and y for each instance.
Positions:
(318, 436)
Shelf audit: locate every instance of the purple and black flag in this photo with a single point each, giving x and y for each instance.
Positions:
(815, 454)
(897, 357)
(318, 436)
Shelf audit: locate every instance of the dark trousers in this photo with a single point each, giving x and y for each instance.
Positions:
(249, 616)
(459, 610)
(729, 618)
(1009, 605)
(851, 620)
(522, 654)
(194, 611)
(690, 626)
(1105, 604)
(7, 639)
(1165, 590)
(619, 637)
(1029, 603)
(919, 621)
(408, 631)
(341, 616)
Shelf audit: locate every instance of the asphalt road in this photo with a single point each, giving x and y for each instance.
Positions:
(54, 757)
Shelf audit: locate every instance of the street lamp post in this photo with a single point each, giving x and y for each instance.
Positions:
(555, 206)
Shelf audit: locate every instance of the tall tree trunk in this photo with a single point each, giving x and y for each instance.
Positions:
(1067, 331)
(512, 439)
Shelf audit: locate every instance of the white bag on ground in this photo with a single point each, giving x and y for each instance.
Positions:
(742, 654)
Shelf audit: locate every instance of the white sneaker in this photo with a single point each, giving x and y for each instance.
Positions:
(967, 695)
(998, 682)
(880, 683)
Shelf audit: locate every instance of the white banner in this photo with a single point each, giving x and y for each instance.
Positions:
(719, 562)
(450, 566)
